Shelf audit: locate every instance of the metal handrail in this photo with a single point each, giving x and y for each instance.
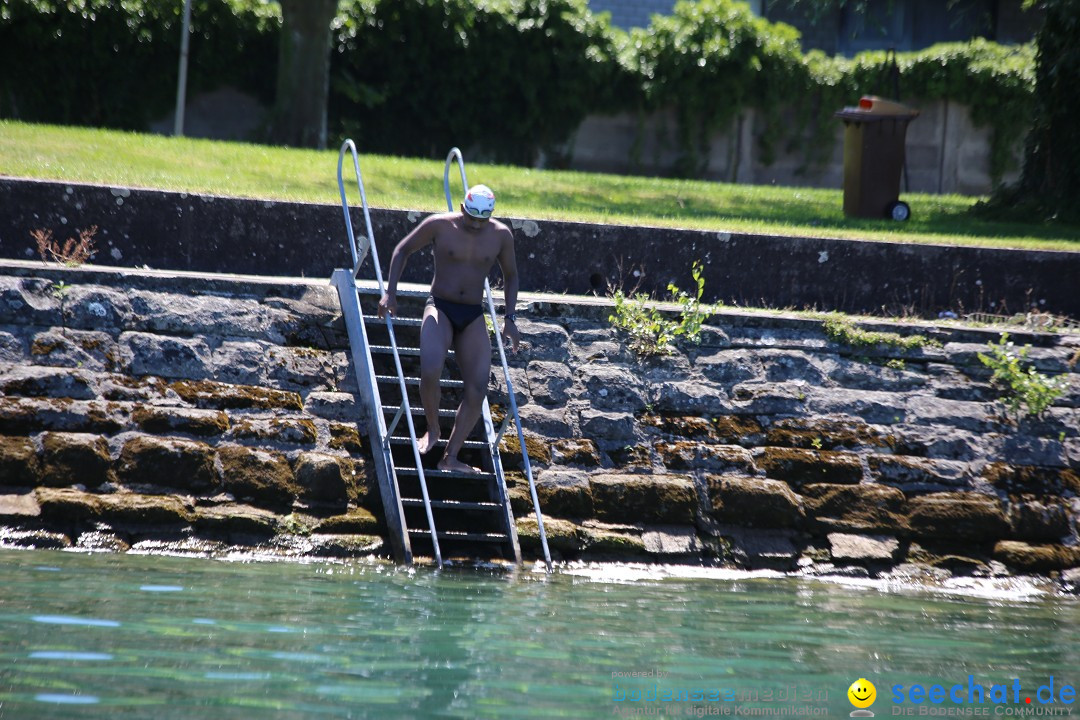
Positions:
(493, 439)
(358, 256)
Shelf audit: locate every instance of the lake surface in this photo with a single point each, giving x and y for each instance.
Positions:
(139, 636)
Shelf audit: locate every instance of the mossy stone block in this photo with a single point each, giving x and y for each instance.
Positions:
(357, 520)
(856, 508)
(665, 499)
(66, 506)
(235, 519)
(139, 511)
(321, 478)
(1036, 558)
(574, 451)
(263, 477)
(957, 517)
(754, 502)
(510, 451)
(563, 493)
(75, 458)
(223, 396)
(19, 464)
(167, 462)
(563, 536)
(159, 420)
(800, 467)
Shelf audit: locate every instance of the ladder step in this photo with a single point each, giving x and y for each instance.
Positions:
(451, 504)
(470, 444)
(387, 350)
(415, 381)
(392, 410)
(469, 537)
(406, 351)
(398, 321)
(446, 474)
(372, 289)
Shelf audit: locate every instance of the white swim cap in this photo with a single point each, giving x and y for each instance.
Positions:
(479, 202)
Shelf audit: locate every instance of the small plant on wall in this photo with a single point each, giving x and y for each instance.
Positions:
(649, 331)
(73, 252)
(1023, 387)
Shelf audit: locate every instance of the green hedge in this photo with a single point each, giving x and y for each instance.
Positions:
(414, 77)
(114, 64)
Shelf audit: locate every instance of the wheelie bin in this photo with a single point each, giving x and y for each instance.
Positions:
(874, 135)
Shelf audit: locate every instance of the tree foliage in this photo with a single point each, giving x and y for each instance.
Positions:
(114, 64)
(513, 79)
(419, 76)
(1050, 181)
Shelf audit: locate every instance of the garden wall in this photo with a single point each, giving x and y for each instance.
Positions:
(946, 152)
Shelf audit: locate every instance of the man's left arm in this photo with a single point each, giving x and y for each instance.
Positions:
(508, 265)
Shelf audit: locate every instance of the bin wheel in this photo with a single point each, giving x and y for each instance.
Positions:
(899, 211)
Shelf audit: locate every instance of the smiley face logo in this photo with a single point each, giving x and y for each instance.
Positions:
(862, 693)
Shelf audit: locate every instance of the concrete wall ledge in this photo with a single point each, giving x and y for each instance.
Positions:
(204, 233)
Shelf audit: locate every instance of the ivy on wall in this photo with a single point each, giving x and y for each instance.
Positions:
(996, 82)
(517, 77)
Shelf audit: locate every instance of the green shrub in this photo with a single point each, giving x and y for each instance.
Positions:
(417, 77)
(516, 77)
(1024, 388)
(649, 330)
(114, 64)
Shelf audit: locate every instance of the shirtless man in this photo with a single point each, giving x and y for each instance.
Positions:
(467, 244)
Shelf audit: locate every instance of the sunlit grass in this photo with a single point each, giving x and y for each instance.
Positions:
(257, 171)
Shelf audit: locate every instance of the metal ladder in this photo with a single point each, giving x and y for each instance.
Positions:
(446, 513)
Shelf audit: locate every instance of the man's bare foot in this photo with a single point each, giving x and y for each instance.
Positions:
(448, 463)
(429, 440)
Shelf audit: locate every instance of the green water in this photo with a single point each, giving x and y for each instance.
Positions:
(109, 636)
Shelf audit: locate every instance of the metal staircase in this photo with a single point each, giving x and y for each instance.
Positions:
(441, 514)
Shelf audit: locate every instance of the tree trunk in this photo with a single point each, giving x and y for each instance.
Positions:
(303, 83)
(1050, 180)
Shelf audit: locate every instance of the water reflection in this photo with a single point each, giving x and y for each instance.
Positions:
(69, 655)
(161, 588)
(68, 620)
(366, 640)
(57, 699)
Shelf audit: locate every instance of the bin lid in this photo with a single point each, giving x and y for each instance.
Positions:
(872, 107)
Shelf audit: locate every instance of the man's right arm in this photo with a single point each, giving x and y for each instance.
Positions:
(421, 236)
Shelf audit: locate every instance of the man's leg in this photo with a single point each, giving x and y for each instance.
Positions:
(435, 338)
(473, 352)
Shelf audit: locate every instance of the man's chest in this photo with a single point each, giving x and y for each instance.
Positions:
(480, 251)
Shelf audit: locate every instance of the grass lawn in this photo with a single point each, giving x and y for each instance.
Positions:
(243, 170)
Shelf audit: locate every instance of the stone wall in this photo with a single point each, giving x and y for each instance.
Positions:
(196, 413)
(770, 445)
(168, 412)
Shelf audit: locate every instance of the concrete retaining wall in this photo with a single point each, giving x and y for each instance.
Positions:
(203, 233)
